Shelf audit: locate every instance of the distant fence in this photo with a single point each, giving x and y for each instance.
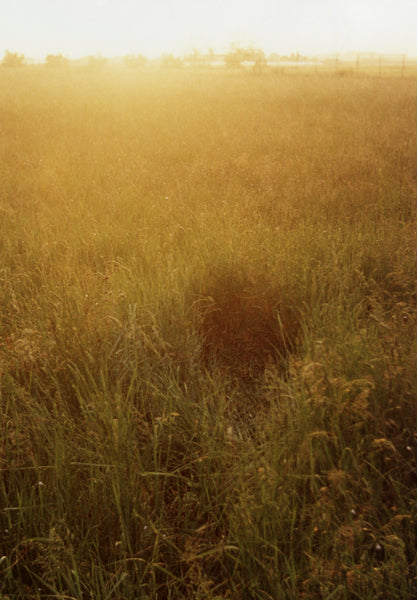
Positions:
(376, 65)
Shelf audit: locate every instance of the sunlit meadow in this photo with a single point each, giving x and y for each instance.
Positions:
(208, 351)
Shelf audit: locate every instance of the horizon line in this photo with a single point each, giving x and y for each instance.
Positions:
(212, 52)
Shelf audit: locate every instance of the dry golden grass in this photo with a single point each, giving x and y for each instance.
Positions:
(208, 335)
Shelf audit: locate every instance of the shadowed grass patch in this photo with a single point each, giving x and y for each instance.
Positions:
(244, 321)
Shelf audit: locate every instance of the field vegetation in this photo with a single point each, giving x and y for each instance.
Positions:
(208, 351)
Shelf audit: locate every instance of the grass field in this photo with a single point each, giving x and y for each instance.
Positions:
(208, 351)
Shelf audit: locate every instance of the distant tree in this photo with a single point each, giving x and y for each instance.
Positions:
(13, 59)
(135, 60)
(169, 61)
(294, 58)
(196, 59)
(56, 60)
(274, 57)
(237, 56)
(260, 63)
(234, 58)
(96, 62)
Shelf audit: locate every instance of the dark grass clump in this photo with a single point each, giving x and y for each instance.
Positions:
(245, 322)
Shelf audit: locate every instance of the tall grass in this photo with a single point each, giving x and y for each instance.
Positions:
(208, 335)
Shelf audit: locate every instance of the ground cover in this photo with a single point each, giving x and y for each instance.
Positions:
(208, 335)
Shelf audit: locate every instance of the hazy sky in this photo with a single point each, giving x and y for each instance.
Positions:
(116, 27)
